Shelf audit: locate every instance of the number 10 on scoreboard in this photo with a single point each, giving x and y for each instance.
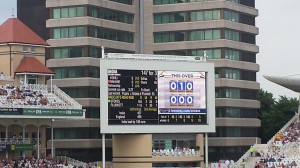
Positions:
(181, 86)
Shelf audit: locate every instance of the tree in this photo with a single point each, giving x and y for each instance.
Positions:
(274, 114)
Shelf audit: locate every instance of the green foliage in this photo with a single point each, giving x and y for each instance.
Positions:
(274, 114)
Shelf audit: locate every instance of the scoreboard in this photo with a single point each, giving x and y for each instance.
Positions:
(156, 96)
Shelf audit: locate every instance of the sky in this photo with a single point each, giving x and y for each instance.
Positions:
(279, 26)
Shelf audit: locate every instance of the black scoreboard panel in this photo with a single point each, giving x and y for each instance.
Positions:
(152, 97)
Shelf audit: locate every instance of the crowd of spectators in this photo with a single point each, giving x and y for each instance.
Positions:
(279, 152)
(223, 164)
(185, 151)
(24, 96)
(47, 162)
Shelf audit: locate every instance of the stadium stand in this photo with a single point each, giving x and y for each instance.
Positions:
(282, 150)
(35, 96)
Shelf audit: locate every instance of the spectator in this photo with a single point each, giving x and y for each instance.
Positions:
(251, 150)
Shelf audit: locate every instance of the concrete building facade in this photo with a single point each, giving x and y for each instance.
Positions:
(223, 29)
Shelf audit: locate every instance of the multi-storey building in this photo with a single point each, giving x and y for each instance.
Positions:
(224, 29)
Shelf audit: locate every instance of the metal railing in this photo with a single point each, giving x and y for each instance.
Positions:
(37, 87)
(78, 163)
(66, 98)
(33, 141)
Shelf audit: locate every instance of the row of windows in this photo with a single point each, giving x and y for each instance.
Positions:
(249, 3)
(84, 51)
(235, 93)
(161, 2)
(196, 35)
(67, 52)
(214, 54)
(104, 33)
(123, 17)
(161, 37)
(68, 12)
(210, 53)
(128, 2)
(68, 32)
(234, 132)
(110, 15)
(209, 34)
(206, 15)
(82, 92)
(187, 16)
(235, 112)
(73, 52)
(76, 133)
(235, 74)
(76, 72)
(110, 34)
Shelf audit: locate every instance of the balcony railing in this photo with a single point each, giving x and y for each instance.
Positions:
(176, 152)
(33, 141)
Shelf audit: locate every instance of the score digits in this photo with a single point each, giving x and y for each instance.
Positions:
(181, 86)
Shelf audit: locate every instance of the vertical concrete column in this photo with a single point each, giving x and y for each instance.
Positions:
(6, 138)
(200, 143)
(23, 135)
(38, 140)
(132, 151)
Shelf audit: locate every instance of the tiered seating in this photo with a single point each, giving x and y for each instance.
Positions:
(27, 97)
(284, 151)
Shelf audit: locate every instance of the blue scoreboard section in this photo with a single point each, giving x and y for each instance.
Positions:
(151, 97)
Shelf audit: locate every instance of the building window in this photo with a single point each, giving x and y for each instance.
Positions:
(168, 37)
(110, 34)
(25, 49)
(173, 17)
(112, 15)
(83, 92)
(232, 35)
(228, 112)
(232, 54)
(76, 72)
(232, 16)
(232, 74)
(162, 2)
(33, 49)
(70, 52)
(76, 133)
(68, 12)
(128, 2)
(210, 53)
(232, 93)
(68, 32)
(209, 34)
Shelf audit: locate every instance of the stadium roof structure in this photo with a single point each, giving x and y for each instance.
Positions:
(32, 65)
(14, 31)
(290, 82)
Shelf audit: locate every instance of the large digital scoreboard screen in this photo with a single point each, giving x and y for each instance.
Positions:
(156, 96)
